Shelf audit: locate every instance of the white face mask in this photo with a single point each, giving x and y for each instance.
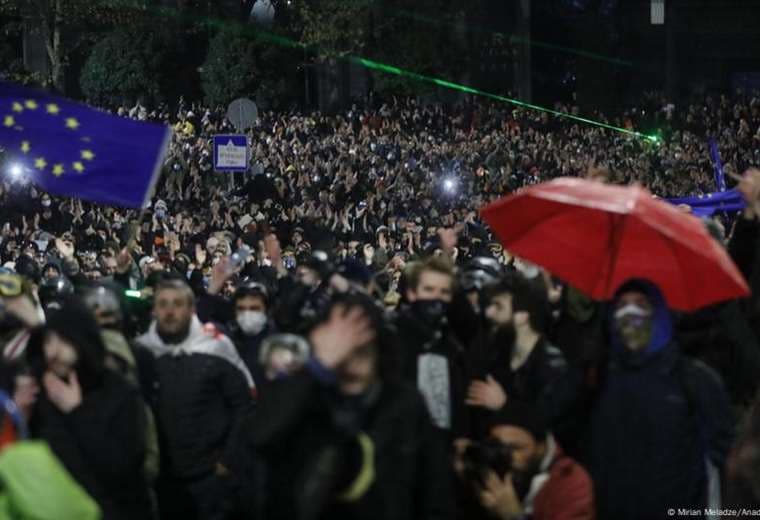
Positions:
(251, 322)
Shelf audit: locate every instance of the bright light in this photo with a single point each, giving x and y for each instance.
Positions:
(16, 170)
(449, 185)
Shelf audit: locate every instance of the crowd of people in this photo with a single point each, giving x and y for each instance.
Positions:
(337, 334)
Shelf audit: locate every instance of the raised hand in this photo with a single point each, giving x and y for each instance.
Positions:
(336, 339)
(219, 275)
(200, 255)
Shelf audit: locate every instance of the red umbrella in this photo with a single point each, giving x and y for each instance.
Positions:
(596, 236)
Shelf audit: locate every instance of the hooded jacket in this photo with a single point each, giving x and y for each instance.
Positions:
(657, 419)
(201, 392)
(316, 445)
(102, 441)
(418, 344)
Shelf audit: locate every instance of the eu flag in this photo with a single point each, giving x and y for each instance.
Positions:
(70, 149)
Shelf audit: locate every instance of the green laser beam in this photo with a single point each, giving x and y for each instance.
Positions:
(374, 65)
(391, 69)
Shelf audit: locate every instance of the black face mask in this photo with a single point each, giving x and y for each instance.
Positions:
(431, 312)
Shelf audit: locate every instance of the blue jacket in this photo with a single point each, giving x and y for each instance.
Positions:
(656, 419)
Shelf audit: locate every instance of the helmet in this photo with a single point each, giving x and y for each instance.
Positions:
(28, 268)
(251, 288)
(481, 272)
(105, 302)
(53, 289)
(319, 261)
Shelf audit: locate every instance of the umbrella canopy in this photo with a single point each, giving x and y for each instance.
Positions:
(596, 236)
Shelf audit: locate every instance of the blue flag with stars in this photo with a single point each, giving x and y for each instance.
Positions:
(70, 149)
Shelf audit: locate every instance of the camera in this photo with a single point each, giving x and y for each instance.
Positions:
(481, 457)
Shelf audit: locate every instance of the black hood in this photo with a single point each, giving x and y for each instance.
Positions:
(73, 322)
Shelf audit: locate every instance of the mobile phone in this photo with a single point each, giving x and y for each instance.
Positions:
(239, 257)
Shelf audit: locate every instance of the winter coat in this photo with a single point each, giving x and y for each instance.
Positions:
(318, 448)
(102, 444)
(201, 392)
(657, 419)
(102, 441)
(123, 361)
(248, 347)
(721, 337)
(649, 438)
(744, 248)
(545, 380)
(417, 340)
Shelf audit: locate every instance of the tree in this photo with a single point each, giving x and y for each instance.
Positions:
(388, 31)
(230, 69)
(116, 70)
(67, 24)
(11, 63)
(138, 62)
(335, 27)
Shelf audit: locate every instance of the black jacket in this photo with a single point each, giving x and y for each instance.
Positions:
(102, 444)
(744, 248)
(545, 381)
(651, 429)
(249, 347)
(416, 339)
(199, 398)
(306, 435)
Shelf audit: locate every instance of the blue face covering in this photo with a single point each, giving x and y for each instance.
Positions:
(662, 324)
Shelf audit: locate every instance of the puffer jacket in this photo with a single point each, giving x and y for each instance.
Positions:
(201, 391)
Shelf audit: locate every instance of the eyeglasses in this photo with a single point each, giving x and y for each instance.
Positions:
(11, 285)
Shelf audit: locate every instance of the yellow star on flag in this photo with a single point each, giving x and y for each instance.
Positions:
(31, 104)
(25, 146)
(9, 121)
(52, 108)
(72, 123)
(40, 163)
(58, 170)
(87, 155)
(17, 107)
(78, 166)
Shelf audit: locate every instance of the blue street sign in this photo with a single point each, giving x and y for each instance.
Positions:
(230, 153)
